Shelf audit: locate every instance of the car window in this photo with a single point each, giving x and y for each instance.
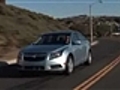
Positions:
(81, 37)
(75, 37)
(54, 39)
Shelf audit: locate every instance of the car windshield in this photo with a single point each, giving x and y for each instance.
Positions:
(54, 39)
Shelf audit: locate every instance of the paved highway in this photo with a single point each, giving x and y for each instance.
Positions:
(104, 55)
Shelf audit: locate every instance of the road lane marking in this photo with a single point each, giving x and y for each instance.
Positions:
(101, 76)
(90, 79)
(93, 79)
(12, 61)
(94, 43)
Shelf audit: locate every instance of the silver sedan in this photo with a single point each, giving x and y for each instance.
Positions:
(56, 51)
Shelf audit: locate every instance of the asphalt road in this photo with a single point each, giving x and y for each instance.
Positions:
(103, 53)
(110, 82)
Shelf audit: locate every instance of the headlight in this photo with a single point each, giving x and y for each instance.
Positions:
(56, 54)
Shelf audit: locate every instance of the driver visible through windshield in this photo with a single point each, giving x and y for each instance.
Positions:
(54, 39)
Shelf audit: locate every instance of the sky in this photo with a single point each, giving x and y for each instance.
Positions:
(67, 8)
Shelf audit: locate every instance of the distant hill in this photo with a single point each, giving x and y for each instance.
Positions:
(19, 27)
(103, 25)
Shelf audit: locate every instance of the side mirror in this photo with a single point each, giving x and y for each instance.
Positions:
(78, 42)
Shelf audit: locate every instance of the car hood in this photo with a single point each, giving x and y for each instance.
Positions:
(42, 48)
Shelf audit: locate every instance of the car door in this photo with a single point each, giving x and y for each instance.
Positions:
(84, 45)
(77, 49)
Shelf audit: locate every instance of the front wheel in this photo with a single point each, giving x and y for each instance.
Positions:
(69, 66)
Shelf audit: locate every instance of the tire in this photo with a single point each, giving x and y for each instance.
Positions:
(69, 66)
(89, 59)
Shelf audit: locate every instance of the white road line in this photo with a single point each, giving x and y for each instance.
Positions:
(94, 43)
(11, 61)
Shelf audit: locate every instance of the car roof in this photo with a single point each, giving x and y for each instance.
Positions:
(60, 31)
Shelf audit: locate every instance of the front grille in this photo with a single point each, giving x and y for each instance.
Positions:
(34, 67)
(34, 57)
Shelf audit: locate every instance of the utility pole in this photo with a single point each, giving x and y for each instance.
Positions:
(91, 21)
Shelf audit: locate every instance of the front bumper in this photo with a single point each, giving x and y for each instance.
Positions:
(57, 64)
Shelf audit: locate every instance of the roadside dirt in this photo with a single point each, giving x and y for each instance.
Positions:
(8, 53)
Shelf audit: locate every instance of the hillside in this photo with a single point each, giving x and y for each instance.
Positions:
(19, 27)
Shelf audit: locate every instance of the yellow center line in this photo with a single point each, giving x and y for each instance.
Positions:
(98, 78)
(98, 75)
